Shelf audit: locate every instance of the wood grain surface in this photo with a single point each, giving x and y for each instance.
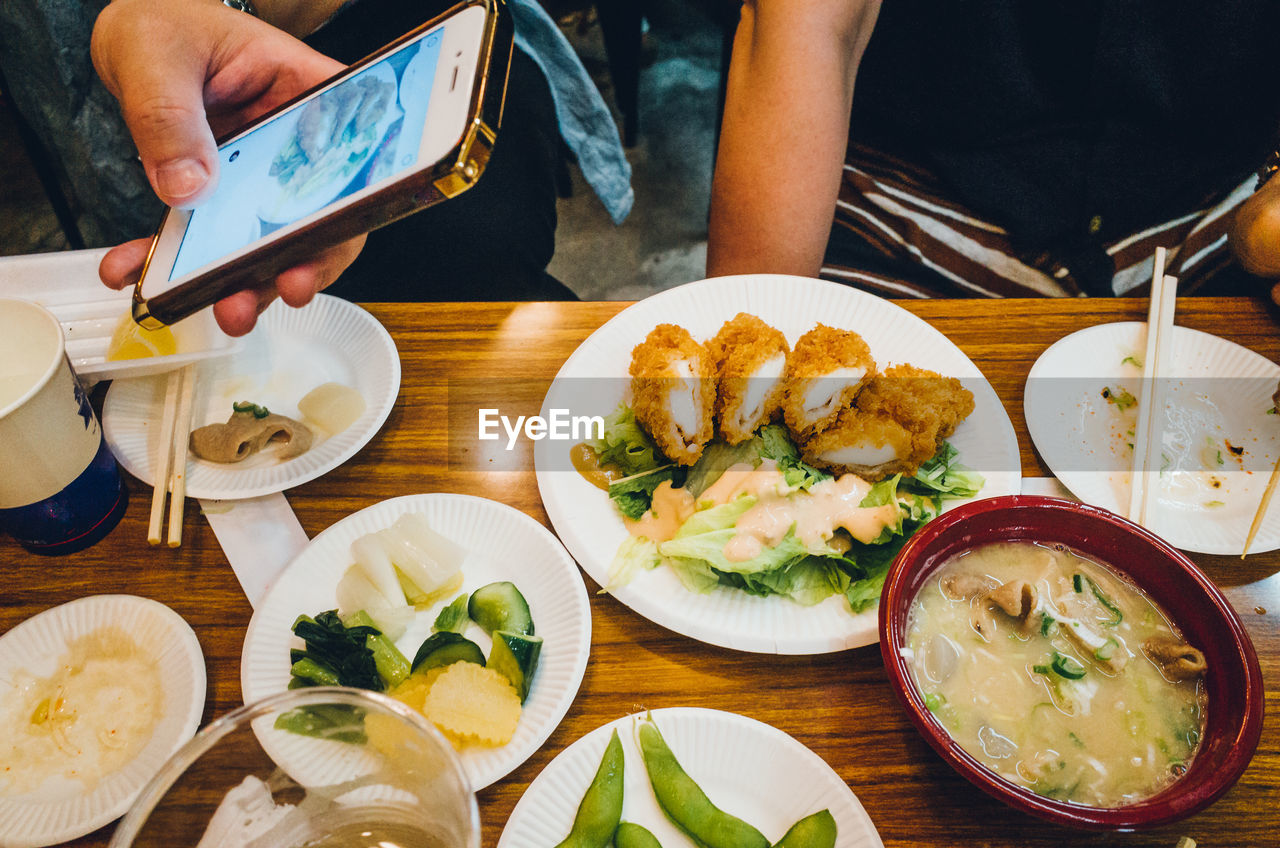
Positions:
(839, 705)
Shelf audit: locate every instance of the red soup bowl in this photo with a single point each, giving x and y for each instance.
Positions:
(1233, 682)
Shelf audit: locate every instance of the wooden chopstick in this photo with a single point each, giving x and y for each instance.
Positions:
(1150, 428)
(1262, 509)
(178, 475)
(164, 455)
(170, 480)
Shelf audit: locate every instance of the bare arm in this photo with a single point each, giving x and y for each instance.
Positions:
(786, 127)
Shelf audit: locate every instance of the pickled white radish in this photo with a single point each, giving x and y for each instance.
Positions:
(448, 553)
(392, 621)
(423, 556)
(332, 407)
(355, 592)
(371, 556)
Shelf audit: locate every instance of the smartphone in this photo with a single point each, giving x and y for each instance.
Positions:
(403, 129)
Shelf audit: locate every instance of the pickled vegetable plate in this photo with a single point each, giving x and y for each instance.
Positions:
(502, 544)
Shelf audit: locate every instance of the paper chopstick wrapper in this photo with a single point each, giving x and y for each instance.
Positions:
(259, 537)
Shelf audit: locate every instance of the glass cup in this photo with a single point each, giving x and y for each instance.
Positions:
(60, 488)
(322, 767)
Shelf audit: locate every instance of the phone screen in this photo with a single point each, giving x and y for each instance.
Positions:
(361, 132)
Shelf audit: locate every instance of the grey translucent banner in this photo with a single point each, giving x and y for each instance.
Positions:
(1207, 425)
(496, 424)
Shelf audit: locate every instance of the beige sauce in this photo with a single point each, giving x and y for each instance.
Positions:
(815, 514)
(744, 479)
(88, 719)
(671, 507)
(586, 461)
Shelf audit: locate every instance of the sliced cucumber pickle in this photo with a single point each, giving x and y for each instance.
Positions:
(500, 606)
(515, 657)
(444, 648)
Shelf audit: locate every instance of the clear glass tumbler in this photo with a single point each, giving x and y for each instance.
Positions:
(322, 767)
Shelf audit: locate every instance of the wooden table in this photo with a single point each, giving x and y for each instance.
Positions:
(839, 705)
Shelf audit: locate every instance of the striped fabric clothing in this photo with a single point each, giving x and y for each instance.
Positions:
(915, 242)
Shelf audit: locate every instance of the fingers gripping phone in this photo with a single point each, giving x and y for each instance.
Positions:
(403, 129)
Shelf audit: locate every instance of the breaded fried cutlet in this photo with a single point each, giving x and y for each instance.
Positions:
(673, 387)
(896, 424)
(749, 356)
(824, 373)
(920, 399)
(871, 445)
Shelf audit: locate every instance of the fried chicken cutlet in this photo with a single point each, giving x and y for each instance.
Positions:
(825, 371)
(749, 357)
(895, 424)
(673, 387)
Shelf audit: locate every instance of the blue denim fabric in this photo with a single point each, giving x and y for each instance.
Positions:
(585, 122)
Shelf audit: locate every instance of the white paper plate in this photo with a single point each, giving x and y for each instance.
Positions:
(67, 284)
(596, 375)
(289, 353)
(502, 544)
(62, 809)
(747, 768)
(1217, 391)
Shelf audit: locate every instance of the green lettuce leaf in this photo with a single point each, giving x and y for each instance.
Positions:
(716, 460)
(775, 443)
(719, 517)
(867, 566)
(635, 554)
(946, 476)
(634, 495)
(625, 445)
(807, 581)
(694, 574)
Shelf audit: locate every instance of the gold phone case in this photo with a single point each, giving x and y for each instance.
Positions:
(453, 174)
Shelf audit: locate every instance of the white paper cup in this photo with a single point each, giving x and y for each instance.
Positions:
(60, 489)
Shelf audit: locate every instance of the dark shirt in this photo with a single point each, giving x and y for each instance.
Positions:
(1049, 115)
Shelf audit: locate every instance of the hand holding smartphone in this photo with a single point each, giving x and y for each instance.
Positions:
(403, 129)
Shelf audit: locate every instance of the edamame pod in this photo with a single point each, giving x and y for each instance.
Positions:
(632, 835)
(685, 803)
(601, 807)
(813, 831)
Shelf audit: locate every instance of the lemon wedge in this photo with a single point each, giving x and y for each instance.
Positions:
(130, 341)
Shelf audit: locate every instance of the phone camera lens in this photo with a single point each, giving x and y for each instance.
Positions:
(235, 154)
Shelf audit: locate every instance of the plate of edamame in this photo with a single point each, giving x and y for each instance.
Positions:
(706, 766)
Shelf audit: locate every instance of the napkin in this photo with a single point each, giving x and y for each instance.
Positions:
(259, 536)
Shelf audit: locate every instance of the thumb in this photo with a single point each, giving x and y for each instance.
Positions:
(159, 77)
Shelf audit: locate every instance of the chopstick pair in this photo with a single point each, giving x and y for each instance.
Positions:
(171, 456)
(1149, 433)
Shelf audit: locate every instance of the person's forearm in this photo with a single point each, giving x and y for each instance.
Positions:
(785, 130)
(298, 17)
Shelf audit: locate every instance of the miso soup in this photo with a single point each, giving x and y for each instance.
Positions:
(1056, 673)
